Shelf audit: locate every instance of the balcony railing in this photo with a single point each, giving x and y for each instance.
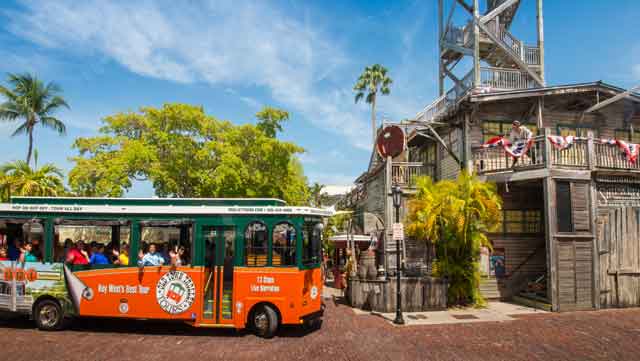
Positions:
(584, 153)
(506, 79)
(488, 160)
(609, 156)
(404, 174)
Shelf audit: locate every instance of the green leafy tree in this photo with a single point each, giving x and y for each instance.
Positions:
(184, 152)
(455, 216)
(5, 191)
(373, 80)
(271, 119)
(33, 102)
(22, 180)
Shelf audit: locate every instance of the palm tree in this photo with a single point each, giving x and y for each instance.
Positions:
(34, 102)
(373, 79)
(318, 197)
(22, 180)
(455, 217)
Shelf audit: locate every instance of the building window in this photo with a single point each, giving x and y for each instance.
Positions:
(520, 221)
(284, 245)
(563, 206)
(492, 129)
(255, 244)
(625, 134)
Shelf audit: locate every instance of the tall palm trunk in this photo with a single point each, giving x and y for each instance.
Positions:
(30, 145)
(373, 119)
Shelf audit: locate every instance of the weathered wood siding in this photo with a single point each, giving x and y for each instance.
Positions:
(580, 207)
(618, 239)
(575, 274)
(373, 202)
(448, 168)
(418, 294)
(605, 122)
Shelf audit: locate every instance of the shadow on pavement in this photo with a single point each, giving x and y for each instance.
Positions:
(146, 327)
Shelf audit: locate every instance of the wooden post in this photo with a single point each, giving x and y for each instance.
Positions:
(540, 123)
(595, 250)
(541, 40)
(476, 44)
(591, 152)
(466, 141)
(550, 227)
(547, 148)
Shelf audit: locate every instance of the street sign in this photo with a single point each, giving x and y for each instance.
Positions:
(398, 232)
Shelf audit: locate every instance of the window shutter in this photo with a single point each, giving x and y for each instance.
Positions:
(580, 207)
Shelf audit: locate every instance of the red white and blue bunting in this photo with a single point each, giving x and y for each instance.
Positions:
(516, 149)
(560, 142)
(629, 149)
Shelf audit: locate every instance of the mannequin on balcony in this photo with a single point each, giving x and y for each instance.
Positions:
(519, 133)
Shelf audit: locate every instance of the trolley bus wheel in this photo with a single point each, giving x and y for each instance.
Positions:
(264, 321)
(48, 315)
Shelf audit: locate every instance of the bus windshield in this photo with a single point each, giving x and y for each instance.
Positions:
(312, 244)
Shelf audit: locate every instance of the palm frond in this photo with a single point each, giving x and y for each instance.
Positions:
(22, 129)
(54, 123)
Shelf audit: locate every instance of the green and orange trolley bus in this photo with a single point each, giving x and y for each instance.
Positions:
(237, 263)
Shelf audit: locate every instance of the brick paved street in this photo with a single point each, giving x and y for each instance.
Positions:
(603, 335)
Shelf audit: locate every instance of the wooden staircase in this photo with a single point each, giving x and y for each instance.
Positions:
(489, 288)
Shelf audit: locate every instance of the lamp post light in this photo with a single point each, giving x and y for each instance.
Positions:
(396, 193)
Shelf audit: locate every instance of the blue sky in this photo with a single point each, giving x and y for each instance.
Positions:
(233, 57)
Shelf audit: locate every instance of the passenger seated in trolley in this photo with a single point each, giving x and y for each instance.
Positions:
(98, 256)
(151, 258)
(26, 254)
(78, 255)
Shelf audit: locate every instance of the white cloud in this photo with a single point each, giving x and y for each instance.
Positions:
(220, 42)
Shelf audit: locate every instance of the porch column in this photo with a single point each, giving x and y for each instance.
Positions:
(550, 217)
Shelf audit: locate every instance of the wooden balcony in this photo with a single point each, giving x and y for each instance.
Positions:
(404, 174)
(584, 154)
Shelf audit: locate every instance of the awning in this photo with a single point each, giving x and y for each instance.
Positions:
(355, 237)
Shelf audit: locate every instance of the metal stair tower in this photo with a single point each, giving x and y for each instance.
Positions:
(500, 60)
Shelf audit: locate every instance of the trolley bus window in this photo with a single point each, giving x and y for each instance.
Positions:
(311, 243)
(103, 244)
(174, 243)
(18, 237)
(284, 245)
(256, 245)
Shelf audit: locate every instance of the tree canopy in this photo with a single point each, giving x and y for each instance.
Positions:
(19, 179)
(270, 120)
(184, 152)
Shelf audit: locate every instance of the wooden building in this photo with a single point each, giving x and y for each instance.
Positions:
(570, 233)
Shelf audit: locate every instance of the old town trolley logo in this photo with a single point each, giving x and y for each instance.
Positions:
(175, 292)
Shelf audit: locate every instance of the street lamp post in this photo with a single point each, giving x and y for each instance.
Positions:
(396, 193)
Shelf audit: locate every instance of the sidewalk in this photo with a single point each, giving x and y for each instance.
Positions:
(494, 312)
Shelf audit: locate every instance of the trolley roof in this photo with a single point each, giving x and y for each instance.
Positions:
(181, 206)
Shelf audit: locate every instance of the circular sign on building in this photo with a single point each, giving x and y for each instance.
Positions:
(175, 292)
(391, 141)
